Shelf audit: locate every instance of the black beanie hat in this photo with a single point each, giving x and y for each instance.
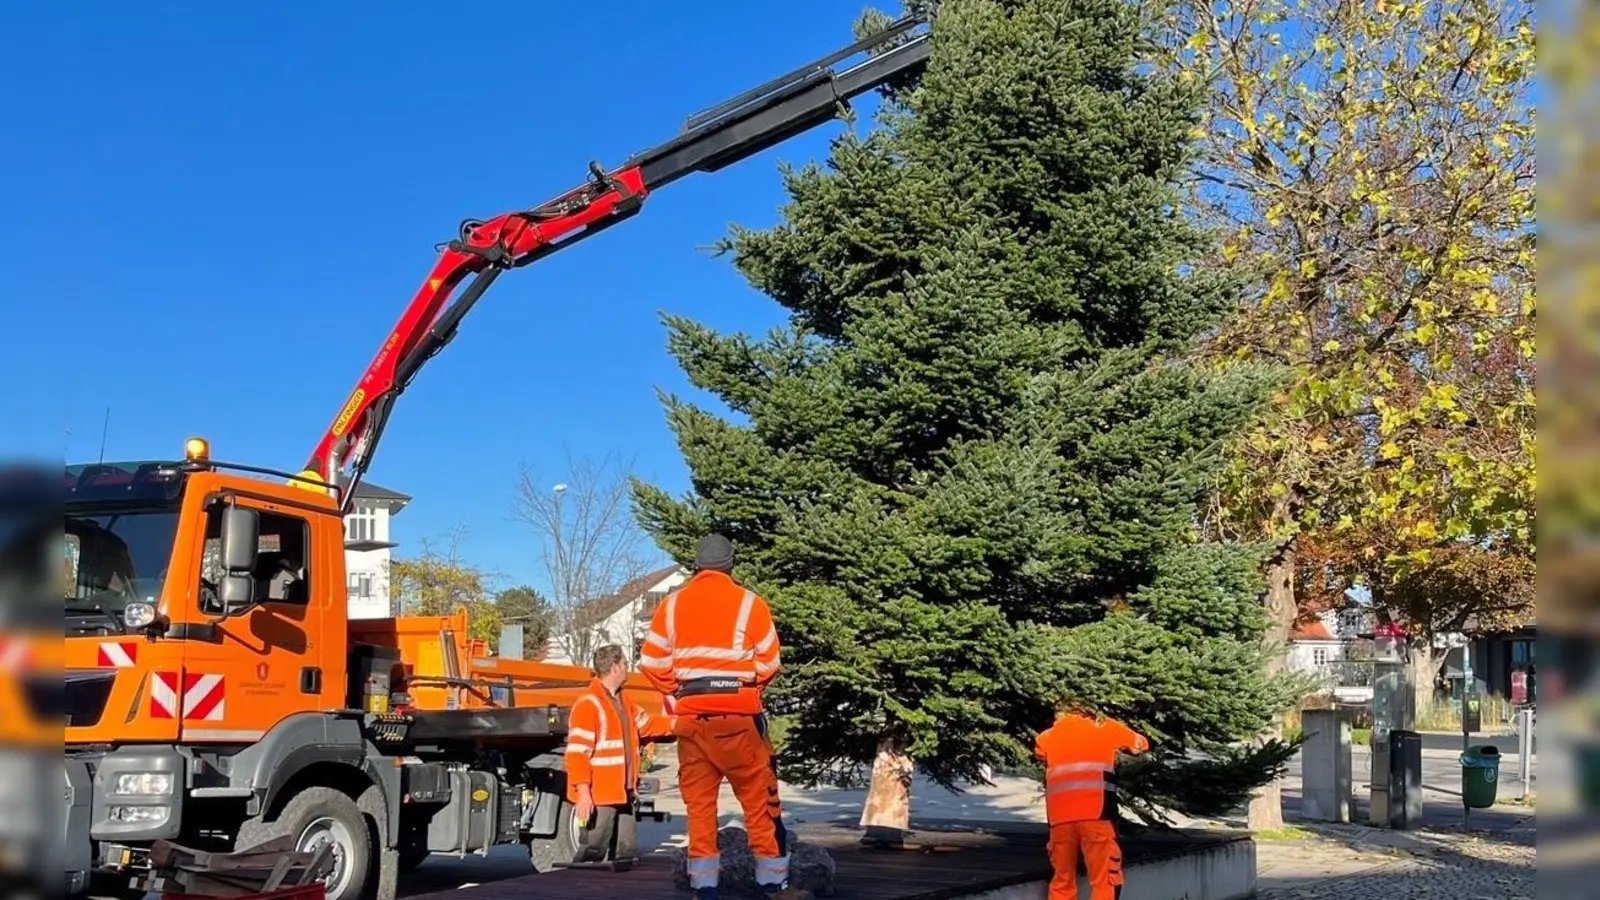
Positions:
(715, 553)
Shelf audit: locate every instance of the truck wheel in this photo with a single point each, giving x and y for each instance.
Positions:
(551, 853)
(573, 844)
(317, 816)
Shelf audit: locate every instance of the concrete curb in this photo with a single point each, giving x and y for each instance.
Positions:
(1222, 872)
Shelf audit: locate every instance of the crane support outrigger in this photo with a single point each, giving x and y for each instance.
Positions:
(731, 131)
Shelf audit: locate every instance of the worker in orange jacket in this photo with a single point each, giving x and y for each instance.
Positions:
(1080, 755)
(603, 738)
(712, 648)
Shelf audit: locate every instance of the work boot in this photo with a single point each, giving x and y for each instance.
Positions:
(705, 893)
(783, 892)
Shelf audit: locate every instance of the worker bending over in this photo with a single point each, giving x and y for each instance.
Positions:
(1080, 755)
(712, 648)
(603, 738)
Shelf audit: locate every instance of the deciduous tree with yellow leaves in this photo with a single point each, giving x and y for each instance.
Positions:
(1370, 167)
(437, 583)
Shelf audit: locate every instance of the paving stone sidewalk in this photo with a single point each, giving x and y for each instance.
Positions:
(1357, 863)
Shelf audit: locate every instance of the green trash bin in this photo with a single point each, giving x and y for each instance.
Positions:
(1480, 776)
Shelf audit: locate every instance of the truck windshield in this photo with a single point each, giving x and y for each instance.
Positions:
(112, 558)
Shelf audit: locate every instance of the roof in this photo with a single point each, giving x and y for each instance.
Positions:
(1311, 631)
(395, 500)
(607, 606)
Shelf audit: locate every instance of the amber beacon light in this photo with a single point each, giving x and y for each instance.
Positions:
(196, 449)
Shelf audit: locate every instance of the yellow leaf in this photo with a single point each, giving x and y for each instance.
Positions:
(1319, 444)
(1331, 346)
(1389, 450)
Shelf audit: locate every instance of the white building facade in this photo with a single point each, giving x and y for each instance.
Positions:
(367, 550)
(1323, 647)
(623, 618)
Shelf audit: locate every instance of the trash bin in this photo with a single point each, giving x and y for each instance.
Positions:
(1480, 776)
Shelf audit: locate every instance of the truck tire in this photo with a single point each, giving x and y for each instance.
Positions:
(551, 853)
(571, 843)
(320, 815)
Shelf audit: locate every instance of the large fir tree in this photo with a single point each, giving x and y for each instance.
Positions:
(973, 463)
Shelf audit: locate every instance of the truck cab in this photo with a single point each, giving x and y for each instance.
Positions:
(218, 696)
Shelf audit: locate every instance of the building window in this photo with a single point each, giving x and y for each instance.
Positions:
(1521, 654)
(360, 586)
(1319, 656)
(361, 524)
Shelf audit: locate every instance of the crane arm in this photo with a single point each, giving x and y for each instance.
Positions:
(710, 140)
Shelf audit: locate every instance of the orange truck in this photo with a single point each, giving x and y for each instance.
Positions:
(217, 693)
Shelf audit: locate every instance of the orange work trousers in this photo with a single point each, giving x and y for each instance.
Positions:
(732, 747)
(1102, 857)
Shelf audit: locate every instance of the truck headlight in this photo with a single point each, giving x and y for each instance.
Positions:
(139, 815)
(143, 784)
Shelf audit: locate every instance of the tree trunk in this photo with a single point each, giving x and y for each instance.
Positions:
(1266, 807)
(1426, 661)
(886, 814)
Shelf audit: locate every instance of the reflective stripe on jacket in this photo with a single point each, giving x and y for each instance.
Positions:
(712, 647)
(603, 748)
(1080, 758)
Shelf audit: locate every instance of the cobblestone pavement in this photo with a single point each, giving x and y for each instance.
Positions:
(1367, 864)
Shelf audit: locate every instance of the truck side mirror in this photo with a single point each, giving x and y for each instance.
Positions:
(241, 539)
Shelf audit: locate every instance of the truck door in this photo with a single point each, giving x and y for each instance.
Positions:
(269, 661)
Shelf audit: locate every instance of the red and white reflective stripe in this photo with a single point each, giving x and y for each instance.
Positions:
(15, 654)
(117, 655)
(202, 700)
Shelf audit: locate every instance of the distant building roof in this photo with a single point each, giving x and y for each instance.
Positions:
(606, 607)
(1311, 631)
(389, 497)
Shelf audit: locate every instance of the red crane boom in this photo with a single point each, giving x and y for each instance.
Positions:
(727, 133)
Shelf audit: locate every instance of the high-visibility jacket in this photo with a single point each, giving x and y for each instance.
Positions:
(1080, 757)
(603, 735)
(712, 647)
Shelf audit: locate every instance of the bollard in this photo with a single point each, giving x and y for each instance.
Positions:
(1524, 750)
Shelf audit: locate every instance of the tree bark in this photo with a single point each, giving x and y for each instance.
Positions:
(886, 814)
(1426, 662)
(1266, 807)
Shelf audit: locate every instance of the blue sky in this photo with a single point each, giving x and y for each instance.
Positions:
(223, 208)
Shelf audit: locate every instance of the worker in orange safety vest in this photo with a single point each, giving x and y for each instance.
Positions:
(604, 732)
(1080, 756)
(712, 648)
